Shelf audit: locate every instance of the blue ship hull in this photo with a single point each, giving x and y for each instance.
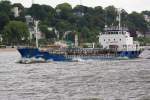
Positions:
(28, 53)
(35, 53)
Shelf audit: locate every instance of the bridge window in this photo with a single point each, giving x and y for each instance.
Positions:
(120, 32)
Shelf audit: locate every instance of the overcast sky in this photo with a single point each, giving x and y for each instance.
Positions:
(128, 5)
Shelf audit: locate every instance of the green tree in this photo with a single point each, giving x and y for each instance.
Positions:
(63, 26)
(63, 11)
(80, 10)
(4, 19)
(49, 34)
(99, 17)
(37, 12)
(111, 15)
(15, 32)
(21, 9)
(136, 22)
(49, 14)
(124, 18)
(5, 7)
(146, 12)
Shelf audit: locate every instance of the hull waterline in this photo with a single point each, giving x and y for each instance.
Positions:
(36, 55)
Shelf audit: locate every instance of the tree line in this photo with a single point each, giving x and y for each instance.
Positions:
(87, 22)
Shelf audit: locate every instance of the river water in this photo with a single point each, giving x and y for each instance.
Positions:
(104, 80)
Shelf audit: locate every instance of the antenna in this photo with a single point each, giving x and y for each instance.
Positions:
(32, 1)
(80, 2)
(105, 19)
(119, 17)
(36, 33)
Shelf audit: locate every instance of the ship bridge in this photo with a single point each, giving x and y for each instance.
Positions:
(118, 38)
(116, 28)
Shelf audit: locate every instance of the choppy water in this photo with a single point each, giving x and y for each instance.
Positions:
(108, 80)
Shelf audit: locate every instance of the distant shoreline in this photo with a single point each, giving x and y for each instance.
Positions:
(7, 49)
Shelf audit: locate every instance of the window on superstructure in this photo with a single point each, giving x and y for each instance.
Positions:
(120, 39)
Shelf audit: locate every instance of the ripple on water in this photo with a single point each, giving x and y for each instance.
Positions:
(108, 80)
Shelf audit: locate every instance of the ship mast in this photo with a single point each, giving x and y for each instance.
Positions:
(36, 22)
(36, 33)
(119, 17)
(80, 2)
(32, 2)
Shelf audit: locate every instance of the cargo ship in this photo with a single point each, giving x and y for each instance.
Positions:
(116, 44)
(115, 41)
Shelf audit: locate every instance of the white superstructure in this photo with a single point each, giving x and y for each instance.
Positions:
(118, 38)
